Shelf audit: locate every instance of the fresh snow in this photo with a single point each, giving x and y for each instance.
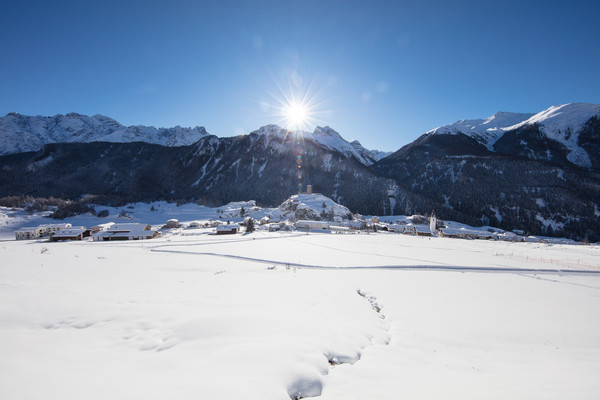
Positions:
(290, 315)
(294, 314)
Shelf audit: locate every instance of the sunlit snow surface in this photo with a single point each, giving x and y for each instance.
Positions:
(280, 315)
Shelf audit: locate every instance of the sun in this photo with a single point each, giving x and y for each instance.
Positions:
(296, 114)
(297, 108)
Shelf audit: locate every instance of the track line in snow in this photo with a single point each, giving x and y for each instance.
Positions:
(558, 281)
(367, 253)
(388, 267)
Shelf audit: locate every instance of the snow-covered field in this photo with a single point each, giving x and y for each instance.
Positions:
(289, 315)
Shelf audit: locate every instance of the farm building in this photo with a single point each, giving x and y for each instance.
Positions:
(417, 230)
(312, 225)
(40, 231)
(172, 223)
(101, 227)
(129, 231)
(229, 229)
(72, 233)
(464, 233)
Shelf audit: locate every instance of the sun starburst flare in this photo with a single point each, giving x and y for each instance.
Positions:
(297, 108)
(296, 115)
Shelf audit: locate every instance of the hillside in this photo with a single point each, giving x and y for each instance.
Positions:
(534, 172)
(213, 171)
(539, 175)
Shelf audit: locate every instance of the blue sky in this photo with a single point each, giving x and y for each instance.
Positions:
(381, 72)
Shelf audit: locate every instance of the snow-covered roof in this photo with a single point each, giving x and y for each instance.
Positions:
(132, 226)
(126, 230)
(54, 226)
(308, 223)
(28, 228)
(104, 226)
(71, 232)
(226, 228)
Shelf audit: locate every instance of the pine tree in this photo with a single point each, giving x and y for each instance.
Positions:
(250, 224)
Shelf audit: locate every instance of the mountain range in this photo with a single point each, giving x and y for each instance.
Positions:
(22, 133)
(535, 172)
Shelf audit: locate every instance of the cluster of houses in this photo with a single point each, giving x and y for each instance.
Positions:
(114, 231)
(136, 231)
(103, 232)
(432, 229)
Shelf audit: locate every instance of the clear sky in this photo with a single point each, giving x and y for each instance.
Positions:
(381, 72)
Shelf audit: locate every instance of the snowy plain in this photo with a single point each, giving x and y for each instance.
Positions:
(280, 315)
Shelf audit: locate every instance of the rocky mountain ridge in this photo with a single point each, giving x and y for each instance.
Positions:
(540, 174)
(21, 133)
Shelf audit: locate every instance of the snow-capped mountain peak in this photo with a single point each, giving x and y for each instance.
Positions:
(20, 133)
(331, 139)
(485, 131)
(325, 137)
(503, 119)
(271, 130)
(557, 120)
(564, 123)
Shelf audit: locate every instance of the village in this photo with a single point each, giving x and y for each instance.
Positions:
(305, 212)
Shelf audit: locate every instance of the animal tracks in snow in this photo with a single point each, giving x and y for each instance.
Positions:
(311, 385)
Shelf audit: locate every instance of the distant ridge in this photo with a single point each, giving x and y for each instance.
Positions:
(21, 133)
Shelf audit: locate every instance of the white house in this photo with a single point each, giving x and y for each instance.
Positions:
(312, 225)
(48, 229)
(40, 231)
(127, 231)
(27, 233)
(172, 223)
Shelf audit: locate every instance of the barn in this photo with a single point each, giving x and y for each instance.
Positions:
(229, 229)
(72, 233)
(129, 231)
